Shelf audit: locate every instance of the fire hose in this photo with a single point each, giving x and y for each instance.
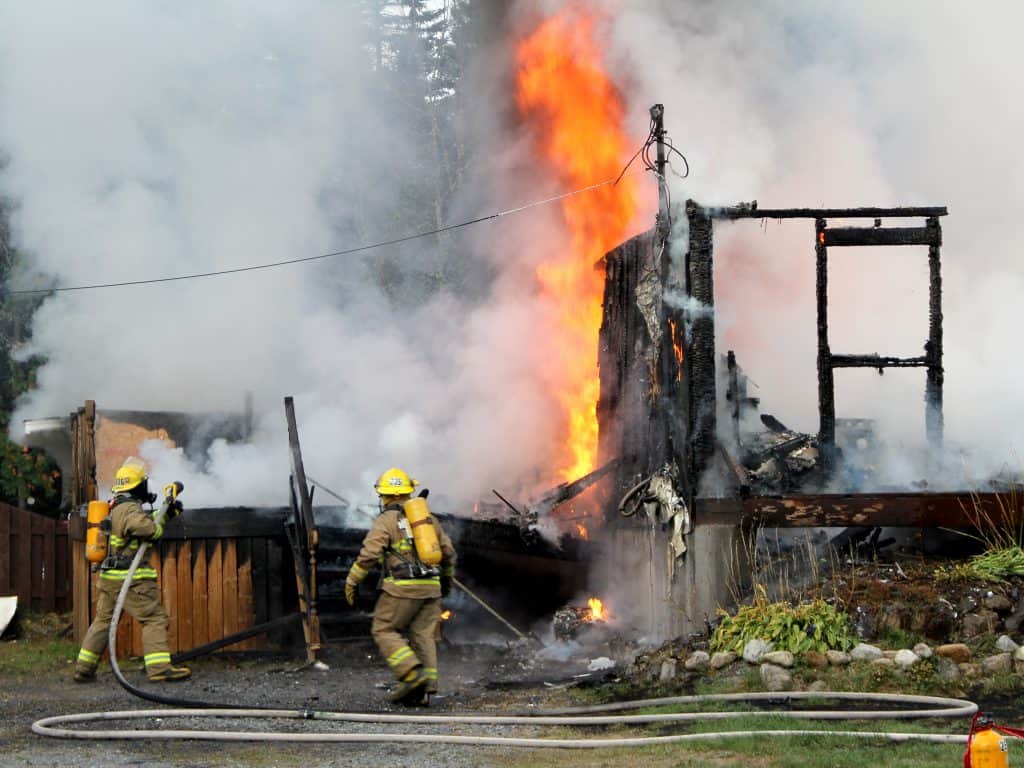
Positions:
(586, 716)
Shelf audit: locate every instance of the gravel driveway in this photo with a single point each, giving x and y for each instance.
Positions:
(474, 677)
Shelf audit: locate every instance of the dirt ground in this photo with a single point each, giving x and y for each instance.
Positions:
(474, 677)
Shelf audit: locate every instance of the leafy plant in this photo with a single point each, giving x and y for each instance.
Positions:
(807, 626)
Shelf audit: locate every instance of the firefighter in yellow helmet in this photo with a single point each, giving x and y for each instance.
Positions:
(130, 525)
(409, 608)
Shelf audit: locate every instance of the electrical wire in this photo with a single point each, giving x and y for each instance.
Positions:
(344, 252)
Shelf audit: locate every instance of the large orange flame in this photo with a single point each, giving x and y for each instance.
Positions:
(565, 96)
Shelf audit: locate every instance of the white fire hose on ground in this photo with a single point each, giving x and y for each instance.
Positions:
(575, 716)
(596, 715)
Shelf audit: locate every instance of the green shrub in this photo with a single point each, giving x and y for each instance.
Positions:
(807, 626)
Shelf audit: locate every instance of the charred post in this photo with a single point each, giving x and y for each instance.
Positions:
(700, 335)
(933, 349)
(826, 384)
(733, 395)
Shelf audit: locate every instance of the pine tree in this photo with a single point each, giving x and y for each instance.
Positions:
(28, 477)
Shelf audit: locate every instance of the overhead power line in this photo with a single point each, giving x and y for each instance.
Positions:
(345, 252)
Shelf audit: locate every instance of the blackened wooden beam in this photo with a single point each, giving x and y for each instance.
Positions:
(226, 523)
(751, 211)
(699, 356)
(846, 236)
(201, 650)
(826, 383)
(913, 510)
(934, 424)
(878, 361)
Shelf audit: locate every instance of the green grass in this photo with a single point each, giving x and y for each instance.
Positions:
(774, 752)
(39, 657)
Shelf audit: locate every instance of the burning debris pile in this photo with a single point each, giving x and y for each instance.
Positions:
(780, 459)
(570, 620)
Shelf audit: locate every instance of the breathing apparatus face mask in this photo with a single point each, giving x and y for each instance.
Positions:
(141, 492)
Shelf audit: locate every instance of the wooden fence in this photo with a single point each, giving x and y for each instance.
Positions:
(34, 560)
(220, 572)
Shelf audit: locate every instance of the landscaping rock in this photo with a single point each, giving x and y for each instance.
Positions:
(947, 670)
(1018, 655)
(779, 658)
(957, 652)
(668, 670)
(923, 650)
(1015, 621)
(776, 678)
(837, 658)
(889, 654)
(865, 652)
(754, 649)
(1000, 664)
(969, 670)
(895, 617)
(817, 686)
(883, 662)
(863, 622)
(983, 622)
(698, 661)
(967, 604)
(998, 603)
(816, 660)
(722, 659)
(906, 659)
(1006, 645)
(939, 620)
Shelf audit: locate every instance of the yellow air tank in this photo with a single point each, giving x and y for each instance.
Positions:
(428, 548)
(95, 537)
(988, 749)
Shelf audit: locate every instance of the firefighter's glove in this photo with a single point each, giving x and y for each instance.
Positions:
(175, 509)
(446, 586)
(350, 592)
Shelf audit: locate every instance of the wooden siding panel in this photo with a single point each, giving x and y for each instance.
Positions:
(183, 591)
(230, 574)
(215, 590)
(168, 573)
(245, 600)
(200, 598)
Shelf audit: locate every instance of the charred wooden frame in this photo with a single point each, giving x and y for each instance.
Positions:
(700, 359)
(912, 510)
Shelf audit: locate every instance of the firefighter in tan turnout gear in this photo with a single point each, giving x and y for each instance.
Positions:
(130, 525)
(418, 563)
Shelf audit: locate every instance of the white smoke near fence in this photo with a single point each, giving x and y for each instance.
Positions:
(148, 141)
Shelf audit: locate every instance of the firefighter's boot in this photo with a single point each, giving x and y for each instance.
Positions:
(170, 674)
(410, 690)
(85, 674)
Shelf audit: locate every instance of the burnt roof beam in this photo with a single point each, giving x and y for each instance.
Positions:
(878, 361)
(852, 236)
(751, 211)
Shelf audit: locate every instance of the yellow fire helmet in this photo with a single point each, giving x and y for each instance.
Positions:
(131, 474)
(395, 482)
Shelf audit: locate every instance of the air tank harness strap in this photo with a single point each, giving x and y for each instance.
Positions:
(413, 569)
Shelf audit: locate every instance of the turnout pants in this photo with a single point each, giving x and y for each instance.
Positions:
(142, 603)
(404, 629)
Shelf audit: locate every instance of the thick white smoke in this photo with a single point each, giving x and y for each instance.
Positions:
(158, 140)
(852, 104)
